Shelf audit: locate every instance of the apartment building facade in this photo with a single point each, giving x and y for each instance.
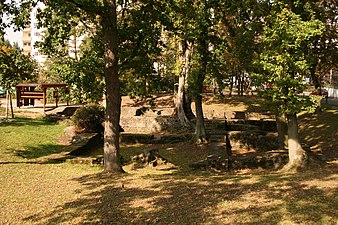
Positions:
(31, 35)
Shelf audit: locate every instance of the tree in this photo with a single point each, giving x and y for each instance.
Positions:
(130, 31)
(181, 37)
(15, 67)
(322, 50)
(284, 62)
(183, 100)
(101, 14)
(240, 23)
(81, 73)
(140, 25)
(199, 73)
(195, 31)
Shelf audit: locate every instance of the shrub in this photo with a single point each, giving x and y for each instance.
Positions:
(89, 118)
(51, 118)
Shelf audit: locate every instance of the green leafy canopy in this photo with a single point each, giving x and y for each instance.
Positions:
(15, 67)
(283, 58)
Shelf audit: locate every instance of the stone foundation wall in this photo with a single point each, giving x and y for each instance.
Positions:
(147, 124)
(159, 120)
(236, 115)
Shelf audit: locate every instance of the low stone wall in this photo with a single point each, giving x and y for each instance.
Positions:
(253, 141)
(158, 120)
(149, 124)
(235, 115)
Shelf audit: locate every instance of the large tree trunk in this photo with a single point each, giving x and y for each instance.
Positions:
(181, 104)
(180, 112)
(282, 129)
(314, 77)
(112, 161)
(187, 105)
(297, 156)
(200, 133)
(187, 99)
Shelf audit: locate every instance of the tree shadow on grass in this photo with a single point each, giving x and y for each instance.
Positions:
(37, 151)
(320, 134)
(197, 199)
(23, 121)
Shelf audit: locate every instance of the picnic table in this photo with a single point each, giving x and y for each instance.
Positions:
(27, 92)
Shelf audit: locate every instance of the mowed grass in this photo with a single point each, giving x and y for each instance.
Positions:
(80, 194)
(26, 138)
(55, 192)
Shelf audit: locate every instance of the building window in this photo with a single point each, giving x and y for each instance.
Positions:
(36, 53)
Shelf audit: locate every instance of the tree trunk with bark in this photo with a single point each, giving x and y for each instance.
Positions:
(231, 85)
(297, 156)
(282, 129)
(181, 105)
(200, 132)
(112, 161)
(187, 105)
(180, 112)
(238, 78)
(187, 99)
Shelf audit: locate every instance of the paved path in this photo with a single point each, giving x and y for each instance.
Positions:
(38, 108)
(331, 101)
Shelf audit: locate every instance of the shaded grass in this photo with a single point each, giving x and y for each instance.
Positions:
(179, 155)
(319, 132)
(79, 194)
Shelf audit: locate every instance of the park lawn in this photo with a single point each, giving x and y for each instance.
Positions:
(35, 191)
(27, 139)
(80, 194)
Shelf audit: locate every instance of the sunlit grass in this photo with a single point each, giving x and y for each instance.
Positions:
(25, 138)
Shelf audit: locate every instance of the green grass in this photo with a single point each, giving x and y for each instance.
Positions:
(25, 138)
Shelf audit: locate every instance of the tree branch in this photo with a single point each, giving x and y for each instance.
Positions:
(89, 6)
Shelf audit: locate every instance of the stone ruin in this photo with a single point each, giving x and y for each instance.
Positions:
(236, 130)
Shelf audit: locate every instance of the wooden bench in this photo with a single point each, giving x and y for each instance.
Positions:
(32, 94)
(27, 92)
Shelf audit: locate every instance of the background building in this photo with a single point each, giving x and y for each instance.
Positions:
(31, 34)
